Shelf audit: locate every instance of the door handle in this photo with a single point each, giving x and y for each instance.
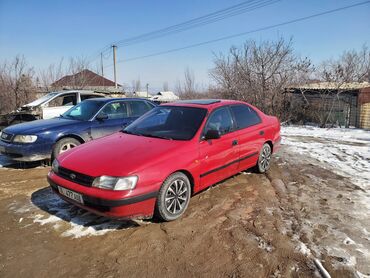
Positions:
(234, 143)
(262, 132)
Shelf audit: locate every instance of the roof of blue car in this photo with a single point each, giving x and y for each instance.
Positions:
(114, 99)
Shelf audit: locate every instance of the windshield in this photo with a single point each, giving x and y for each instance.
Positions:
(42, 99)
(169, 122)
(83, 111)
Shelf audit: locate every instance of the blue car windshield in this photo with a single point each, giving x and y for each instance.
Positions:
(83, 111)
(169, 122)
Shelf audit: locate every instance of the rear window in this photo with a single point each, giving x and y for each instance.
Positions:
(245, 116)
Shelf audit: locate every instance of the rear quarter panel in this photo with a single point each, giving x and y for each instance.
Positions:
(272, 131)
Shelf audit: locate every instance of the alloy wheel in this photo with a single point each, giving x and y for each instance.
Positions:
(67, 147)
(265, 157)
(176, 196)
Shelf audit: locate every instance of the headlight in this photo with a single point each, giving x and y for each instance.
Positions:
(55, 166)
(115, 183)
(25, 138)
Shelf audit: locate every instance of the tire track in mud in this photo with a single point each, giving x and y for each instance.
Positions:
(323, 216)
(233, 229)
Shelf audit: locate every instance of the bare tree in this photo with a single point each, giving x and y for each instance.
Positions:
(188, 88)
(78, 65)
(74, 70)
(351, 66)
(16, 84)
(50, 75)
(259, 72)
(165, 86)
(136, 85)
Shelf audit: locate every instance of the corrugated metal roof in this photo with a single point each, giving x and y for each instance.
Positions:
(332, 86)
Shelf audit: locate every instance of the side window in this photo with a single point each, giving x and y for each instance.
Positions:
(64, 100)
(139, 108)
(220, 120)
(245, 116)
(115, 110)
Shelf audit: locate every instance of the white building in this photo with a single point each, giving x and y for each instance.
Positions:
(165, 97)
(142, 94)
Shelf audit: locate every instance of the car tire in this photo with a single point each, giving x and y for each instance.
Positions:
(64, 145)
(173, 197)
(264, 159)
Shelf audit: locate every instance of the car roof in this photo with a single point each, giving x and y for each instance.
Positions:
(75, 91)
(116, 99)
(209, 104)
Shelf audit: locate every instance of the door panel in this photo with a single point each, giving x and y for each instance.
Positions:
(250, 143)
(52, 112)
(218, 159)
(250, 134)
(59, 105)
(117, 119)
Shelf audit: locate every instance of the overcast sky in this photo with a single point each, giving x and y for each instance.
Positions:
(45, 31)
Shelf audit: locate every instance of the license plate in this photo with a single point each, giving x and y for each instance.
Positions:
(71, 194)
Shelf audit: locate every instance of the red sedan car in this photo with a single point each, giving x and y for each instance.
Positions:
(154, 165)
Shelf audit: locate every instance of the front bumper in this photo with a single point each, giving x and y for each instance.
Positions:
(125, 206)
(25, 152)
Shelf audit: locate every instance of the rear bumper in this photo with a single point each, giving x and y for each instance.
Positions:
(138, 206)
(25, 152)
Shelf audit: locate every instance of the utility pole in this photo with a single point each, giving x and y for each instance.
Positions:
(101, 64)
(147, 90)
(114, 65)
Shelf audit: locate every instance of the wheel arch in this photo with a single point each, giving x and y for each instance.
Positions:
(271, 145)
(77, 137)
(188, 175)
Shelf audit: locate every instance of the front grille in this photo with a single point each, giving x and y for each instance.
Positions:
(7, 137)
(76, 177)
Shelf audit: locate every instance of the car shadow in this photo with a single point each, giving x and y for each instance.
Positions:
(6, 162)
(52, 204)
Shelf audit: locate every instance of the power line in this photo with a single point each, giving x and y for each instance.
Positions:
(193, 23)
(200, 21)
(244, 33)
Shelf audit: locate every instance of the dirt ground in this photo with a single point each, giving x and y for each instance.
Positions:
(250, 225)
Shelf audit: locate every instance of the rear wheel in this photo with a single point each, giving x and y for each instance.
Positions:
(264, 159)
(64, 145)
(173, 197)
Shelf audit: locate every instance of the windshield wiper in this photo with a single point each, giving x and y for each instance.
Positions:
(156, 136)
(129, 132)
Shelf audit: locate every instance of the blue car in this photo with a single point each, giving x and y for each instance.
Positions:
(90, 119)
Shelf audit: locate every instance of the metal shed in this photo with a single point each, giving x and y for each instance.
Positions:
(345, 104)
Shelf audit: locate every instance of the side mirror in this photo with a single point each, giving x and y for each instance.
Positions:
(212, 134)
(101, 117)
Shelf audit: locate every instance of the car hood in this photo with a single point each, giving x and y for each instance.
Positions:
(38, 126)
(119, 154)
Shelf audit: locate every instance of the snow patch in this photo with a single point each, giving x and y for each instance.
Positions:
(46, 208)
(348, 241)
(264, 245)
(344, 151)
(302, 248)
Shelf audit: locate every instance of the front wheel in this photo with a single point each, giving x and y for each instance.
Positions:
(173, 197)
(64, 145)
(264, 158)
